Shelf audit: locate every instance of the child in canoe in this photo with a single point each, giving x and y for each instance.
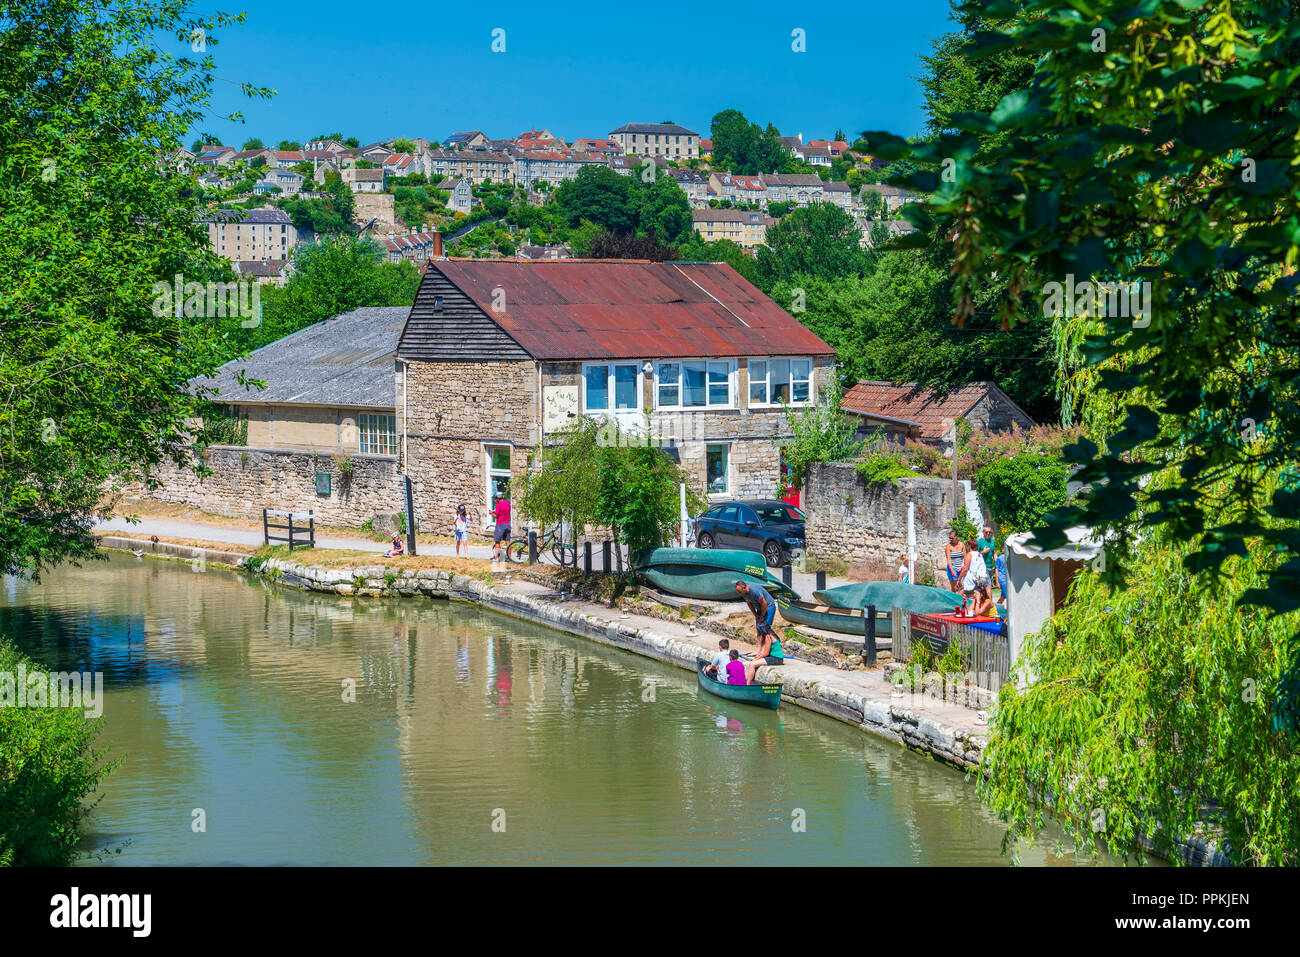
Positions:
(717, 668)
(735, 669)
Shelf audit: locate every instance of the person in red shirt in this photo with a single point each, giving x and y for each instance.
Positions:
(501, 512)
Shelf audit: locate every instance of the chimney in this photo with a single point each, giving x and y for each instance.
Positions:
(437, 246)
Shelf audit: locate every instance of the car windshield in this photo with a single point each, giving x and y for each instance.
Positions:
(779, 514)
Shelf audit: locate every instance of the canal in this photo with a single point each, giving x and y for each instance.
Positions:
(473, 738)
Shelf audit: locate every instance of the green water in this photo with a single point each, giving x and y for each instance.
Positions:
(474, 738)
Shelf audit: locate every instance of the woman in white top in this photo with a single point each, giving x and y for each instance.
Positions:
(462, 530)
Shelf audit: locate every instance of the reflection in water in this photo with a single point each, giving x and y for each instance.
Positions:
(225, 694)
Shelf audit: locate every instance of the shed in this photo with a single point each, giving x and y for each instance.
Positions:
(1038, 580)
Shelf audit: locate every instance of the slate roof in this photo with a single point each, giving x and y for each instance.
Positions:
(622, 309)
(347, 361)
(654, 128)
(931, 412)
(271, 217)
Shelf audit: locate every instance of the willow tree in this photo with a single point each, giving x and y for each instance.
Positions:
(95, 96)
(1143, 196)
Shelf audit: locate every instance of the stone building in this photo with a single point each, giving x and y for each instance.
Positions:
(252, 235)
(907, 410)
(498, 355)
(322, 435)
(657, 139)
(746, 229)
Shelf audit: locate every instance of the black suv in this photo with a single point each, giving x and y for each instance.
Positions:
(765, 525)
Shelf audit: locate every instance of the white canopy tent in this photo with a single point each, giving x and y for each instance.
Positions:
(1038, 580)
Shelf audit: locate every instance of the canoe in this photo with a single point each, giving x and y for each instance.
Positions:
(922, 599)
(845, 621)
(765, 696)
(709, 574)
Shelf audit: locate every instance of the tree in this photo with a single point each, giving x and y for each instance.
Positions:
(600, 195)
(1176, 213)
(744, 147)
(873, 204)
(403, 145)
(695, 249)
(329, 278)
(640, 493)
(607, 245)
(820, 433)
(289, 145)
(1020, 490)
(662, 207)
(562, 482)
(253, 143)
(93, 373)
(818, 240)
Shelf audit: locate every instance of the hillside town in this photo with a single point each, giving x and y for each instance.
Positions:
(404, 189)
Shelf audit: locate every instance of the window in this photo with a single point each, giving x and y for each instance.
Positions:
(498, 472)
(716, 461)
(609, 383)
(773, 381)
(694, 385)
(378, 434)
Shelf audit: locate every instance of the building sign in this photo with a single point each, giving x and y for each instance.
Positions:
(323, 483)
(559, 405)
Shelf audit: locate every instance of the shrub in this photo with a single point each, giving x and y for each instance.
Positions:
(47, 769)
(1019, 491)
(883, 468)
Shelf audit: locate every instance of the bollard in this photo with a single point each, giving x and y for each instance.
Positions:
(869, 628)
(532, 548)
(586, 558)
(787, 574)
(821, 579)
(604, 556)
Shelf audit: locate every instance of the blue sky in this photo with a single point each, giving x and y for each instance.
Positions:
(375, 71)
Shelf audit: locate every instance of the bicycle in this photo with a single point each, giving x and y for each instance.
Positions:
(562, 552)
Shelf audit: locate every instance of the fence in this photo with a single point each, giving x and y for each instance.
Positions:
(988, 654)
(306, 533)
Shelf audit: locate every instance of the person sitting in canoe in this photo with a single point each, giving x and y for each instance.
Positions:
(763, 605)
(736, 669)
(717, 668)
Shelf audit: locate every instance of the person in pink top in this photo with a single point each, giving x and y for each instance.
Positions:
(735, 669)
(500, 512)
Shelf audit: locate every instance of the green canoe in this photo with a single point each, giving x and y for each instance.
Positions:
(765, 696)
(922, 599)
(845, 621)
(709, 574)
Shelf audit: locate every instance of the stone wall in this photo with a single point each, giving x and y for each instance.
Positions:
(855, 522)
(245, 481)
(454, 411)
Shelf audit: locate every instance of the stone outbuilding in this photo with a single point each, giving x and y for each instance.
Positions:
(498, 355)
(908, 410)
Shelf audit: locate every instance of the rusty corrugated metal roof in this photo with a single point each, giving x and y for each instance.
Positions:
(629, 309)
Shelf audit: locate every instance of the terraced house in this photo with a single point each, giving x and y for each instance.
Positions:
(498, 356)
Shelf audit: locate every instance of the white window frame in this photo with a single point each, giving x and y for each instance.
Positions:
(376, 425)
(489, 473)
(767, 379)
(725, 492)
(609, 388)
(728, 364)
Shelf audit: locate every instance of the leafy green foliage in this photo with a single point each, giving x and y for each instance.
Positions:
(1149, 715)
(1020, 490)
(1166, 159)
(882, 469)
(819, 433)
(744, 147)
(48, 768)
(93, 382)
(330, 278)
(599, 195)
(820, 240)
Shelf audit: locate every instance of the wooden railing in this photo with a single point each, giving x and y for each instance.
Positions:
(309, 530)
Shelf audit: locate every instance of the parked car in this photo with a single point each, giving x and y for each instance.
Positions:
(773, 528)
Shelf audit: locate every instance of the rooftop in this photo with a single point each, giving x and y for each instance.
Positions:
(653, 128)
(347, 361)
(932, 412)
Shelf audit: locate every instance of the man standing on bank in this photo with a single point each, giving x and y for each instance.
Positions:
(763, 605)
(501, 536)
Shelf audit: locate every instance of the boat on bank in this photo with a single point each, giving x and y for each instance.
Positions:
(840, 609)
(765, 696)
(709, 574)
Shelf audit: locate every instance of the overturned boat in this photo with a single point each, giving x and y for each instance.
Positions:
(709, 574)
